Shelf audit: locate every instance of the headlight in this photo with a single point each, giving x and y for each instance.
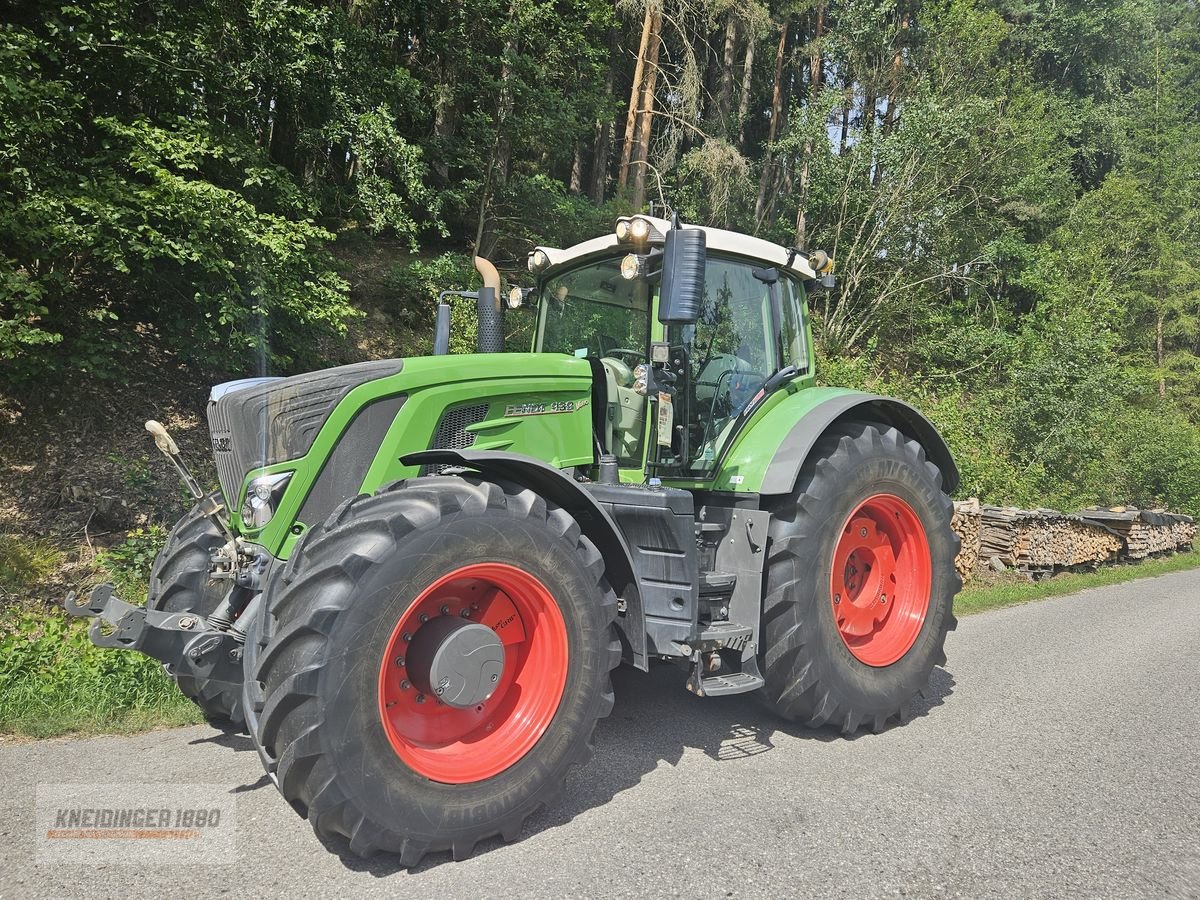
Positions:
(622, 229)
(262, 498)
(516, 297)
(538, 260)
(639, 230)
(639, 378)
(631, 266)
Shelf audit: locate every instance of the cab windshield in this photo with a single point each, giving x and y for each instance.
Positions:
(592, 312)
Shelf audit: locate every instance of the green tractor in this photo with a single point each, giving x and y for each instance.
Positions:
(418, 574)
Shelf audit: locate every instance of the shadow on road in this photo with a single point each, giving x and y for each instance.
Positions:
(227, 736)
(655, 721)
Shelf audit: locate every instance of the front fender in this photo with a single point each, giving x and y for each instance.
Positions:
(561, 489)
(768, 455)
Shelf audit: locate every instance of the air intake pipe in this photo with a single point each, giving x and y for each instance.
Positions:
(490, 334)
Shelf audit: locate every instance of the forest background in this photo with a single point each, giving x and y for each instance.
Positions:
(1010, 189)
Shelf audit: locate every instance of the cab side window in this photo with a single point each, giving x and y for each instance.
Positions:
(732, 351)
(795, 334)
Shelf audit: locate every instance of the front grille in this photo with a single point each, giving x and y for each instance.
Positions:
(222, 443)
(452, 434)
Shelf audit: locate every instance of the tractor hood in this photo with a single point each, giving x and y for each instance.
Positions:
(338, 432)
(258, 422)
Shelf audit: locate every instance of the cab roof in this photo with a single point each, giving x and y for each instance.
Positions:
(718, 239)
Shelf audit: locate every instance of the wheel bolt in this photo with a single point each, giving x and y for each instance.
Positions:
(837, 598)
(408, 635)
(465, 613)
(445, 610)
(400, 661)
(420, 698)
(883, 598)
(404, 685)
(440, 691)
(494, 677)
(424, 618)
(862, 532)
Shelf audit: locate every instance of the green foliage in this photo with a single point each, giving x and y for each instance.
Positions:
(25, 561)
(1008, 188)
(416, 286)
(53, 680)
(128, 563)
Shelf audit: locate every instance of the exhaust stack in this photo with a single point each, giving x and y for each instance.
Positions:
(490, 333)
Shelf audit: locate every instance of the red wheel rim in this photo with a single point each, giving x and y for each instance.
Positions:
(881, 580)
(458, 746)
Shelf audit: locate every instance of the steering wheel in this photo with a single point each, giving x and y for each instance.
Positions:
(618, 352)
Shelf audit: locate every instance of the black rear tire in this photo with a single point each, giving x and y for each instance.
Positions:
(180, 582)
(812, 677)
(330, 617)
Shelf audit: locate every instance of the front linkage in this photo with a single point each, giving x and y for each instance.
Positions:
(200, 646)
(193, 650)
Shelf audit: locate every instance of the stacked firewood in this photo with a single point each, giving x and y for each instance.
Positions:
(965, 523)
(1043, 540)
(1143, 531)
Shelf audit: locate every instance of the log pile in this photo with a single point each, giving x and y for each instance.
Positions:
(1145, 532)
(1042, 540)
(966, 525)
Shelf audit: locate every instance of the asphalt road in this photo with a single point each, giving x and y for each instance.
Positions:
(1058, 755)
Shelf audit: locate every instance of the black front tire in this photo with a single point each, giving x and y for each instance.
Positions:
(811, 675)
(180, 581)
(330, 616)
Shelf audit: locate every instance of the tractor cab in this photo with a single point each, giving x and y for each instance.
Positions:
(674, 413)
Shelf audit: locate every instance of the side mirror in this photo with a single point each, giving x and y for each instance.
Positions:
(682, 289)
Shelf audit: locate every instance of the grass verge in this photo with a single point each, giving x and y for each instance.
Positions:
(977, 598)
(53, 681)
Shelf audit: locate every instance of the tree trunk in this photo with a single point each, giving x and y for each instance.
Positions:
(635, 94)
(444, 122)
(282, 146)
(725, 93)
(767, 177)
(645, 119)
(744, 100)
(575, 186)
(498, 169)
(847, 101)
(1159, 350)
(815, 68)
(604, 130)
(814, 90)
(889, 115)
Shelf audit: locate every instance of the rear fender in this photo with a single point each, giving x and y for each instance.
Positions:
(784, 468)
(596, 523)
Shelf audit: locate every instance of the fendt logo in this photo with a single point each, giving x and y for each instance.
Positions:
(222, 444)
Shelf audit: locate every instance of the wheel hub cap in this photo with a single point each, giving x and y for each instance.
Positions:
(457, 661)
